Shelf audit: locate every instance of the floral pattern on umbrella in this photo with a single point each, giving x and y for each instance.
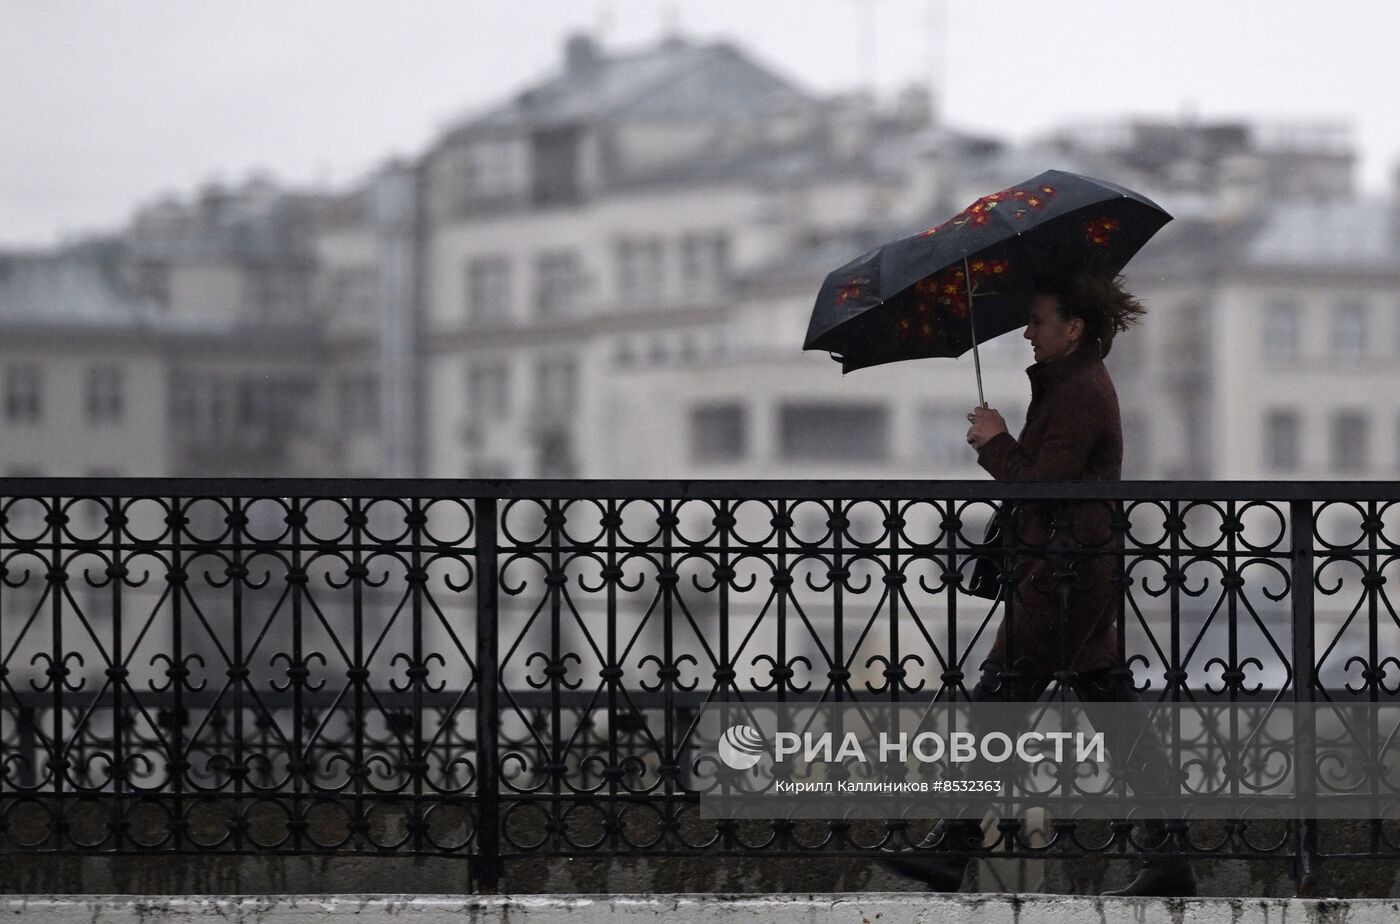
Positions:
(851, 289)
(1099, 231)
(949, 289)
(1018, 201)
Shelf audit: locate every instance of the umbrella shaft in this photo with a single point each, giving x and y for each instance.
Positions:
(972, 320)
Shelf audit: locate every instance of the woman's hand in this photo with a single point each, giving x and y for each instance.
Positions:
(986, 423)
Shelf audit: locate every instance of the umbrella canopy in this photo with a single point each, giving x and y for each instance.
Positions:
(925, 295)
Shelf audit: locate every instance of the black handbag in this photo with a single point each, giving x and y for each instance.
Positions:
(989, 557)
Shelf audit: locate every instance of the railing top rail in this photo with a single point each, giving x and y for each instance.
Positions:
(702, 489)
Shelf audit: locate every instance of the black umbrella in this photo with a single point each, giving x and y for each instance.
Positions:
(945, 290)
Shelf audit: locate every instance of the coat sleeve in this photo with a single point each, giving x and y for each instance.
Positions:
(1078, 415)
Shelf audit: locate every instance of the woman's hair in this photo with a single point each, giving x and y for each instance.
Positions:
(1098, 300)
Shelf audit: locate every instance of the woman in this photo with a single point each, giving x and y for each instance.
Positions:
(1073, 432)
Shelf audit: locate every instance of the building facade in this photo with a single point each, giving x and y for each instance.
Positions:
(609, 274)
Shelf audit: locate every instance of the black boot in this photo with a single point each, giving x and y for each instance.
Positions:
(1160, 878)
(931, 863)
(1164, 877)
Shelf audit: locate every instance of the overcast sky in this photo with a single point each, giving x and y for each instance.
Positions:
(105, 104)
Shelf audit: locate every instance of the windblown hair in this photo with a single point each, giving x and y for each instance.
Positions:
(1100, 301)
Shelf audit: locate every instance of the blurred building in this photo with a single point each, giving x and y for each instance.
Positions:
(197, 342)
(609, 274)
(1218, 169)
(1275, 350)
(83, 377)
(231, 276)
(581, 328)
(1271, 302)
(620, 260)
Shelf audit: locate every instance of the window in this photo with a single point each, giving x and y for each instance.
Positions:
(704, 260)
(23, 399)
(688, 352)
(488, 290)
(493, 169)
(153, 281)
(943, 437)
(1281, 432)
(558, 280)
(1281, 326)
(1351, 449)
(719, 344)
(640, 270)
(718, 433)
(218, 395)
(359, 403)
(352, 292)
(556, 388)
(554, 454)
(208, 404)
(183, 400)
(833, 432)
(488, 391)
(555, 159)
(1349, 330)
(104, 394)
(279, 292)
(181, 404)
(250, 402)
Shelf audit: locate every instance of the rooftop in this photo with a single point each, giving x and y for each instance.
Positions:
(1360, 234)
(68, 288)
(673, 80)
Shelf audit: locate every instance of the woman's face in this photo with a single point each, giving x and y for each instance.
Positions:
(1051, 336)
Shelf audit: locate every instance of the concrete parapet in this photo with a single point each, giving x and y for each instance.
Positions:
(834, 908)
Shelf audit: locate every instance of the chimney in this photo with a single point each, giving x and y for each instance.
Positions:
(581, 53)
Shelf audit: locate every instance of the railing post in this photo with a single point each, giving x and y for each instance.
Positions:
(488, 716)
(1300, 516)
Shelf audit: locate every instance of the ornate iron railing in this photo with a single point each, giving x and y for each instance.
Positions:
(502, 669)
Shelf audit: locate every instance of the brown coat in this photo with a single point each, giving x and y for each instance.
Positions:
(1073, 432)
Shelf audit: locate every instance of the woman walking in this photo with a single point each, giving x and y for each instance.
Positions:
(1073, 432)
